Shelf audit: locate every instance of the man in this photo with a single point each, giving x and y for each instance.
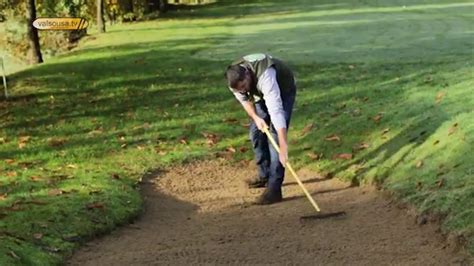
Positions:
(266, 88)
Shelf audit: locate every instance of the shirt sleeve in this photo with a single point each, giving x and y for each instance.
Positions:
(241, 97)
(268, 85)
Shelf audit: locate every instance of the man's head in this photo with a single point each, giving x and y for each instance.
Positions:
(238, 78)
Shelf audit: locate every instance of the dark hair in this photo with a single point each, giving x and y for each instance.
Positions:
(234, 74)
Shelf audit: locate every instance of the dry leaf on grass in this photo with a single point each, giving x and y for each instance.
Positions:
(313, 155)
(440, 183)
(360, 146)
(333, 138)
(35, 178)
(306, 129)
(56, 142)
(230, 120)
(95, 205)
(231, 149)
(377, 118)
(11, 174)
(55, 192)
(439, 97)
(183, 140)
(13, 255)
(344, 156)
(452, 129)
(211, 138)
(22, 141)
(419, 164)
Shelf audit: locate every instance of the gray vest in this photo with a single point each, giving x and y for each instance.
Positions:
(258, 63)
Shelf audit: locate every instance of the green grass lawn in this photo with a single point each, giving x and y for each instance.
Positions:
(387, 86)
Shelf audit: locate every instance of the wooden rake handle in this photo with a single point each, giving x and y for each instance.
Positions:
(275, 145)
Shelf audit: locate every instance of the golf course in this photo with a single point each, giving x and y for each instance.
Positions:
(131, 150)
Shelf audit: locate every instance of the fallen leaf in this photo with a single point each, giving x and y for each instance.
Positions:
(183, 140)
(211, 138)
(95, 205)
(230, 120)
(22, 141)
(351, 66)
(377, 118)
(72, 166)
(452, 129)
(123, 145)
(333, 138)
(345, 156)
(95, 132)
(115, 176)
(35, 178)
(37, 235)
(246, 125)
(307, 129)
(440, 183)
(11, 174)
(439, 97)
(313, 155)
(9, 161)
(231, 149)
(361, 146)
(13, 254)
(95, 191)
(224, 154)
(35, 202)
(419, 164)
(56, 142)
(3, 197)
(52, 249)
(55, 192)
(419, 185)
(243, 149)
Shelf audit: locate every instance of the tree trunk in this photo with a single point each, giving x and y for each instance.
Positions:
(163, 7)
(35, 56)
(100, 16)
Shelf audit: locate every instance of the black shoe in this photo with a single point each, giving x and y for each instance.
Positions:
(269, 197)
(258, 182)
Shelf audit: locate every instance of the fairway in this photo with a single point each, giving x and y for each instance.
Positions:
(137, 124)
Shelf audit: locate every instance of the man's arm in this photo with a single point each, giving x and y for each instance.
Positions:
(271, 94)
(250, 109)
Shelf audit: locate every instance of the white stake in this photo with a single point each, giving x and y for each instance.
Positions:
(4, 79)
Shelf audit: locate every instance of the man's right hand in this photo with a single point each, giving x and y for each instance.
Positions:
(260, 123)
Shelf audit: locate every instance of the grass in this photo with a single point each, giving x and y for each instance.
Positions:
(393, 82)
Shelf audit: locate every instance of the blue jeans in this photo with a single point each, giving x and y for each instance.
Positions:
(266, 157)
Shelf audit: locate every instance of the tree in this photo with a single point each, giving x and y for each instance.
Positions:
(35, 56)
(163, 6)
(100, 16)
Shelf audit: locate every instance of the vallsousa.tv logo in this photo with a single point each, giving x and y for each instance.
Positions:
(60, 23)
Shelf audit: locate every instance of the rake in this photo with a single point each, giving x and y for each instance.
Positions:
(319, 214)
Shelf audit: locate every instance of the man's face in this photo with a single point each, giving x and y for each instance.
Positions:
(243, 86)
